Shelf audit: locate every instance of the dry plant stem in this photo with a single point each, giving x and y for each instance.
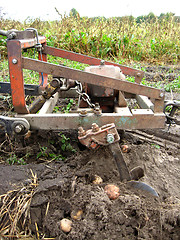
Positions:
(14, 211)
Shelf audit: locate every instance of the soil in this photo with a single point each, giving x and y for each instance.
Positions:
(64, 185)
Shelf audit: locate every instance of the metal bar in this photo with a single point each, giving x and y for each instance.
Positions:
(28, 43)
(74, 120)
(62, 71)
(16, 76)
(30, 89)
(90, 60)
(120, 163)
(49, 104)
(144, 102)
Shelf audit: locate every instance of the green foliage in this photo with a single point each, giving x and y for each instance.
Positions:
(13, 159)
(65, 145)
(156, 146)
(146, 38)
(44, 154)
(174, 85)
(67, 108)
(74, 13)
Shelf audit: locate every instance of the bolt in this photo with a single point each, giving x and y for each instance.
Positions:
(81, 132)
(161, 94)
(14, 61)
(110, 138)
(102, 63)
(55, 83)
(18, 128)
(97, 111)
(83, 113)
(95, 127)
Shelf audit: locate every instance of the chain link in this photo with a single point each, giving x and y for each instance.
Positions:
(84, 96)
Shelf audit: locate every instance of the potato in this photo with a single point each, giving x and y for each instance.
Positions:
(97, 180)
(77, 215)
(112, 191)
(66, 225)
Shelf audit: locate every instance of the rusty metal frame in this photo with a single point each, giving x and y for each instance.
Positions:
(122, 117)
(14, 49)
(75, 120)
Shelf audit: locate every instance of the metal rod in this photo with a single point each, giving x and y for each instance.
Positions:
(120, 163)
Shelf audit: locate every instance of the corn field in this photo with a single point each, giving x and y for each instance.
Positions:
(120, 39)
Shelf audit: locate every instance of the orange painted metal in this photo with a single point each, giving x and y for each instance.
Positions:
(92, 61)
(14, 48)
(16, 76)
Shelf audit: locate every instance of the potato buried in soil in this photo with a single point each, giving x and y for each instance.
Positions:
(112, 191)
(66, 225)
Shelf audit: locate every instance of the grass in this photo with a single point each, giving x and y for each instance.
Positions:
(126, 40)
(153, 40)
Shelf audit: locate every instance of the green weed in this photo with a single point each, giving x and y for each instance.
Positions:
(67, 108)
(65, 145)
(13, 159)
(174, 85)
(156, 146)
(44, 154)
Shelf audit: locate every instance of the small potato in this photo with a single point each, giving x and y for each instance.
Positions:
(77, 215)
(66, 225)
(97, 180)
(112, 191)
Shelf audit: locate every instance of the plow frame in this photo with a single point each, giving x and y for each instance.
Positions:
(150, 100)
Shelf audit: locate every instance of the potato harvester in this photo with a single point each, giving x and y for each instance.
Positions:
(101, 89)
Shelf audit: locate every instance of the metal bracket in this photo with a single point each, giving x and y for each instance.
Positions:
(173, 105)
(19, 126)
(96, 136)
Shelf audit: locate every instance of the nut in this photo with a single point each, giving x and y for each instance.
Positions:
(81, 132)
(83, 113)
(18, 128)
(110, 138)
(14, 61)
(95, 127)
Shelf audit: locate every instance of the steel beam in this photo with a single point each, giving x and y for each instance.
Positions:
(75, 120)
(86, 77)
(91, 61)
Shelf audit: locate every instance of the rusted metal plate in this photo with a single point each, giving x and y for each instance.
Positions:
(98, 135)
(91, 61)
(159, 105)
(74, 121)
(86, 77)
(121, 100)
